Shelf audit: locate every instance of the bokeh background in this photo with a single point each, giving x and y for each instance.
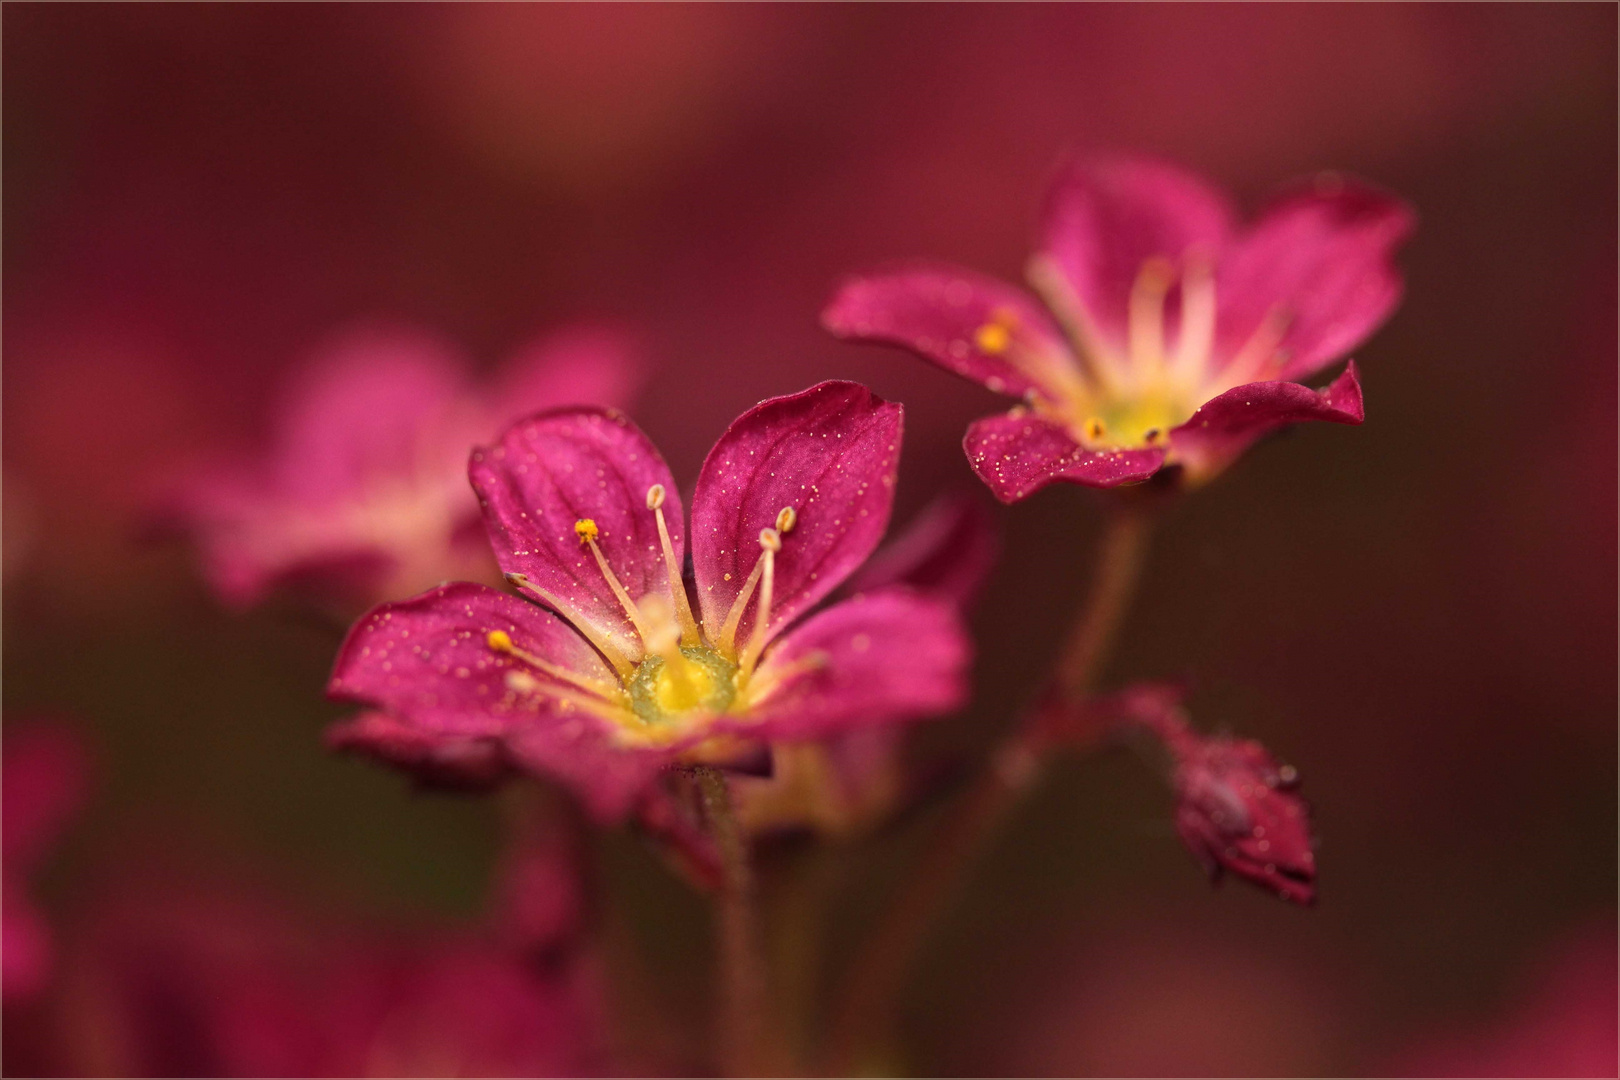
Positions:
(1420, 614)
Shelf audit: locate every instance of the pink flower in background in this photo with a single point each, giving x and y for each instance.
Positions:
(1164, 333)
(364, 490)
(42, 783)
(190, 974)
(616, 673)
(1561, 1023)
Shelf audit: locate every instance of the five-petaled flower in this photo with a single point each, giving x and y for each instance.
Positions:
(1168, 336)
(364, 493)
(619, 669)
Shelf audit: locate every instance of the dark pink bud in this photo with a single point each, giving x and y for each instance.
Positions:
(1238, 810)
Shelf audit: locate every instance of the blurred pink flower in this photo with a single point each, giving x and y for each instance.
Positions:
(42, 781)
(584, 516)
(183, 975)
(1562, 1023)
(1168, 336)
(364, 492)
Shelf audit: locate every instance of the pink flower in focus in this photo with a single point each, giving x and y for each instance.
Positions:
(616, 673)
(42, 782)
(364, 492)
(1164, 335)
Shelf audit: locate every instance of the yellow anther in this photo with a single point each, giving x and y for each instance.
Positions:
(786, 518)
(586, 530)
(500, 641)
(992, 338)
(770, 539)
(655, 497)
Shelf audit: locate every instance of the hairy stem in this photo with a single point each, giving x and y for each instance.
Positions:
(746, 1045)
(866, 1014)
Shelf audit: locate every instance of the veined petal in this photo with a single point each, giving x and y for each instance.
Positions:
(975, 326)
(946, 551)
(830, 453)
(1105, 217)
(553, 470)
(428, 660)
(1321, 259)
(876, 658)
(1018, 453)
(1225, 426)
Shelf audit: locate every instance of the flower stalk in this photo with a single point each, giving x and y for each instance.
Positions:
(866, 1015)
(746, 1042)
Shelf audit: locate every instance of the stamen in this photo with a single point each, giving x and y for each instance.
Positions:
(727, 644)
(1197, 341)
(771, 680)
(1052, 283)
(587, 532)
(500, 641)
(677, 587)
(522, 682)
(1147, 316)
(1258, 354)
(604, 645)
(664, 640)
(786, 518)
(770, 542)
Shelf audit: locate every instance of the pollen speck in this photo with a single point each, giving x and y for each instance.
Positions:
(992, 338)
(1095, 428)
(586, 530)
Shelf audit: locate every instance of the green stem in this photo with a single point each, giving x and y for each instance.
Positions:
(866, 1016)
(745, 1042)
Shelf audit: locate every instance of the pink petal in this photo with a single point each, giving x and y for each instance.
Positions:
(427, 662)
(362, 409)
(1018, 453)
(1323, 257)
(580, 365)
(946, 551)
(885, 656)
(830, 453)
(1225, 426)
(437, 759)
(1106, 216)
(552, 470)
(937, 312)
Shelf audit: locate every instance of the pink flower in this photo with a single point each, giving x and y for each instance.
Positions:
(185, 974)
(1164, 334)
(364, 492)
(42, 781)
(618, 671)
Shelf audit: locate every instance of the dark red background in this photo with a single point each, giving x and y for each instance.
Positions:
(1420, 613)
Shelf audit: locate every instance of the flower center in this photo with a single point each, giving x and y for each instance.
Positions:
(684, 673)
(694, 678)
